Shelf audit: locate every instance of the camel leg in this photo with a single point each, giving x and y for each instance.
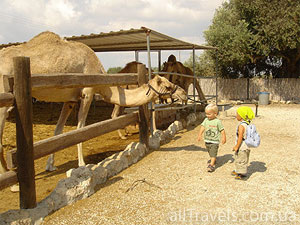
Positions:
(82, 114)
(3, 166)
(65, 112)
(3, 117)
(115, 113)
(153, 117)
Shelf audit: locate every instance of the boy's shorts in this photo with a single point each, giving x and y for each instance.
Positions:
(212, 149)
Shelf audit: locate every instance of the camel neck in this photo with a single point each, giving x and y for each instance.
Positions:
(127, 97)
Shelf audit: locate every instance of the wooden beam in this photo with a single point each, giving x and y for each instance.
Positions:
(79, 80)
(7, 179)
(6, 99)
(82, 80)
(23, 109)
(61, 141)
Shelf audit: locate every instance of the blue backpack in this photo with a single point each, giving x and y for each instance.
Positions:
(252, 139)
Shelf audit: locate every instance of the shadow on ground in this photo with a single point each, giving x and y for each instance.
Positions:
(256, 167)
(184, 148)
(223, 159)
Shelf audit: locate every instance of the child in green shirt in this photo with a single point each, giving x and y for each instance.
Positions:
(213, 131)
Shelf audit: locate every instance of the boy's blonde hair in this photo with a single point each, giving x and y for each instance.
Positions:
(212, 107)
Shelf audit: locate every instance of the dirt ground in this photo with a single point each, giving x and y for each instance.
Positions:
(171, 185)
(45, 116)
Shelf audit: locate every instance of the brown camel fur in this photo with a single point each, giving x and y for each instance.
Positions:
(174, 66)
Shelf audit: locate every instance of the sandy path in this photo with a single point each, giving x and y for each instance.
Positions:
(178, 190)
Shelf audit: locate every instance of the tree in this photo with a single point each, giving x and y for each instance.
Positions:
(204, 65)
(257, 36)
(114, 70)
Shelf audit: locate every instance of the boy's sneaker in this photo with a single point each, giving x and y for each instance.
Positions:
(210, 168)
(233, 173)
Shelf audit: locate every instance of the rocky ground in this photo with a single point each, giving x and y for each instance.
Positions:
(171, 185)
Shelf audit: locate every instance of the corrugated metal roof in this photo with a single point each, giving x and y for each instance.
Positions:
(130, 40)
(134, 39)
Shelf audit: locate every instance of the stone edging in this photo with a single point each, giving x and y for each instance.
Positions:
(81, 182)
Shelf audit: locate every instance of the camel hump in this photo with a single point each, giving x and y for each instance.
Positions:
(49, 53)
(172, 58)
(44, 37)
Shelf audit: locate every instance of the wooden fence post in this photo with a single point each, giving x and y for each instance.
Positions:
(143, 110)
(23, 108)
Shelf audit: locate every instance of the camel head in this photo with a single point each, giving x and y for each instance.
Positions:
(174, 67)
(172, 58)
(165, 89)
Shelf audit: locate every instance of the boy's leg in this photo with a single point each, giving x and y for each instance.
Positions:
(212, 151)
(241, 162)
(213, 161)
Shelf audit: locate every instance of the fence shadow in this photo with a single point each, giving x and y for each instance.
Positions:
(63, 168)
(48, 113)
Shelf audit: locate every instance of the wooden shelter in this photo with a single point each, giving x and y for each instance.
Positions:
(130, 40)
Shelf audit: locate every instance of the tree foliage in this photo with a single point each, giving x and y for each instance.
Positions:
(204, 65)
(256, 37)
(114, 70)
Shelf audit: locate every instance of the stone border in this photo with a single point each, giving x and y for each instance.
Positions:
(81, 182)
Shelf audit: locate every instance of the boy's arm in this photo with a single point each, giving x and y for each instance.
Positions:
(241, 131)
(200, 133)
(223, 136)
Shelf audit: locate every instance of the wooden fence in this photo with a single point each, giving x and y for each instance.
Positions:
(27, 151)
(280, 89)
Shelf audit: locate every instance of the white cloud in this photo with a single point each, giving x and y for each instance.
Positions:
(182, 19)
(59, 11)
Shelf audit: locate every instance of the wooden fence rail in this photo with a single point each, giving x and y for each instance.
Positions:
(58, 142)
(74, 80)
(6, 99)
(7, 179)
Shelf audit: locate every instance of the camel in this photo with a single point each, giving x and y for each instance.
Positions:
(174, 66)
(130, 67)
(50, 54)
(118, 110)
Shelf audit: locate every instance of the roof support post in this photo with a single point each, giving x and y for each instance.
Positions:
(159, 60)
(137, 56)
(194, 74)
(217, 71)
(149, 73)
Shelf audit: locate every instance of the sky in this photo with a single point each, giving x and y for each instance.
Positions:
(21, 20)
